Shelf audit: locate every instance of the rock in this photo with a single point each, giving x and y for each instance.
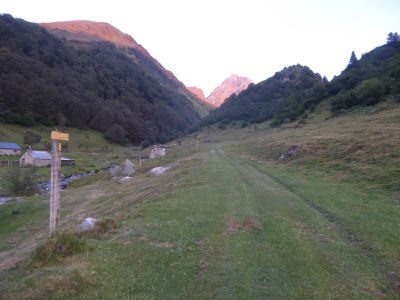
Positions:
(128, 168)
(292, 152)
(158, 171)
(125, 179)
(88, 224)
(157, 151)
(4, 200)
(115, 171)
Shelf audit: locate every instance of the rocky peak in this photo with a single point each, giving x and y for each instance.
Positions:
(198, 92)
(234, 84)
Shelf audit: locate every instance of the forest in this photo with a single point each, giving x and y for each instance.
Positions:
(46, 80)
(295, 90)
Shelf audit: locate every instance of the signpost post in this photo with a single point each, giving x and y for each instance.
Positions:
(56, 138)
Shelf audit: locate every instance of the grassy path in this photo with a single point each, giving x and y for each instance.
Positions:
(220, 227)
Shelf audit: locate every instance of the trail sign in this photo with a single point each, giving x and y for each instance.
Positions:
(56, 138)
(59, 136)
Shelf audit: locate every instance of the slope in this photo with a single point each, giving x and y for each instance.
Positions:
(231, 221)
(284, 96)
(89, 31)
(48, 81)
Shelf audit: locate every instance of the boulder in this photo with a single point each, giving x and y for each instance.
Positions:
(88, 224)
(128, 168)
(115, 171)
(158, 171)
(125, 179)
(157, 151)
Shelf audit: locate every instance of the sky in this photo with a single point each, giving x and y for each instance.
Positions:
(204, 41)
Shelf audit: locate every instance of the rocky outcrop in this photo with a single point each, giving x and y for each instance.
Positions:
(234, 84)
(197, 92)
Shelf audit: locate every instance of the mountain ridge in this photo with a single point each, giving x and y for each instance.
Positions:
(91, 31)
(234, 84)
(57, 82)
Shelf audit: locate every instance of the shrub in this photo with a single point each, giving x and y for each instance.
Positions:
(31, 138)
(20, 181)
(56, 248)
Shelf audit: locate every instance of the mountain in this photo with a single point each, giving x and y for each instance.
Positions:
(120, 91)
(89, 31)
(234, 84)
(198, 92)
(283, 96)
(296, 89)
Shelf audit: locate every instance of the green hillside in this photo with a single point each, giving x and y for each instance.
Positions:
(231, 221)
(296, 90)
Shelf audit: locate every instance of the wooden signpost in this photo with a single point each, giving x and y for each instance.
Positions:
(56, 138)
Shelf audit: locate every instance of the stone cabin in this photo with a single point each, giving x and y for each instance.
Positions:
(157, 151)
(41, 159)
(9, 149)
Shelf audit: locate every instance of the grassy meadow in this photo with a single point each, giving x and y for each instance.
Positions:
(228, 222)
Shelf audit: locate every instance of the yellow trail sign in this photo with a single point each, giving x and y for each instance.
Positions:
(60, 136)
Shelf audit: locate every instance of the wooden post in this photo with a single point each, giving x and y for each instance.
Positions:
(197, 144)
(56, 137)
(54, 187)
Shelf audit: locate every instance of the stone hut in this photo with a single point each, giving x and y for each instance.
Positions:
(40, 159)
(157, 151)
(9, 149)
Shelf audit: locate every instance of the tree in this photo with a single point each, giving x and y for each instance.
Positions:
(353, 59)
(393, 37)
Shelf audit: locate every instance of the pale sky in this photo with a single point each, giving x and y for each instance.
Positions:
(204, 41)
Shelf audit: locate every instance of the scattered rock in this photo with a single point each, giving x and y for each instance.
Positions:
(157, 151)
(292, 152)
(252, 224)
(125, 179)
(115, 171)
(88, 224)
(4, 200)
(158, 171)
(128, 168)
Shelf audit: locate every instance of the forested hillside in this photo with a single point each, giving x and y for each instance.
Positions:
(369, 80)
(296, 89)
(46, 80)
(284, 96)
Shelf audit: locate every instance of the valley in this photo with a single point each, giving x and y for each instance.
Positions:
(229, 221)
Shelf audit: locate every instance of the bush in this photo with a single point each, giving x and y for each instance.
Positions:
(20, 181)
(31, 138)
(368, 92)
(58, 247)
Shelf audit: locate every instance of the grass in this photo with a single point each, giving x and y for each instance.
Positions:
(232, 222)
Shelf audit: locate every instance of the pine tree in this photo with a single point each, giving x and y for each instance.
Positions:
(393, 37)
(353, 59)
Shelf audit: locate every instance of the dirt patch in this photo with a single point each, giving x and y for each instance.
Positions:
(163, 245)
(251, 224)
(232, 226)
(10, 258)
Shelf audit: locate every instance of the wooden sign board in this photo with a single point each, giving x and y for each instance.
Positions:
(60, 136)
